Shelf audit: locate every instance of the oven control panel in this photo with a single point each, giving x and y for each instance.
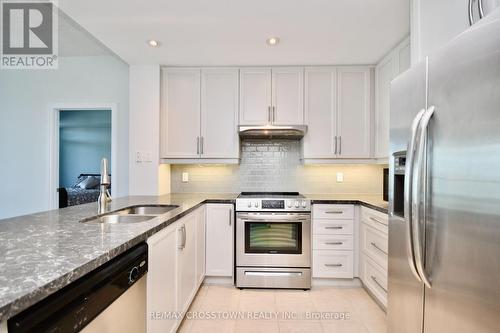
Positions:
(254, 204)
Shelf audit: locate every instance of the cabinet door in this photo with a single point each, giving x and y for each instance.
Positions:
(255, 96)
(180, 113)
(384, 73)
(200, 245)
(320, 112)
(220, 236)
(288, 96)
(186, 262)
(161, 279)
(354, 100)
(219, 113)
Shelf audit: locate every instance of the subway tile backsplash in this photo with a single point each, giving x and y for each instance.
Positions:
(276, 166)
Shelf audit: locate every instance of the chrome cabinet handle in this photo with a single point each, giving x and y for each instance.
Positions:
(340, 145)
(378, 248)
(378, 283)
(471, 13)
(274, 115)
(334, 243)
(333, 265)
(202, 143)
(230, 217)
(197, 145)
(334, 212)
(480, 8)
(378, 221)
(335, 145)
(420, 176)
(184, 236)
(407, 193)
(179, 245)
(335, 228)
(269, 119)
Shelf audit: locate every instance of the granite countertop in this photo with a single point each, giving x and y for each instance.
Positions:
(43, 252)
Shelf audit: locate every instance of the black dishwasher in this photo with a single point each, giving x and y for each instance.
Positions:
(73, 307)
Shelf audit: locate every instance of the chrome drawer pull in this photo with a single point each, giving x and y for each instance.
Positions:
(334, 243)
(333, 265)
(378, 248)
(378, 221)
(378, 283)
(334, 212)
(335, 228)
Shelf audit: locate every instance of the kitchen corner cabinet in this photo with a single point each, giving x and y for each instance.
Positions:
(176, 258)
(199, 113)
(220, 240)
(338, 113)
(393, 64)
(272, 96)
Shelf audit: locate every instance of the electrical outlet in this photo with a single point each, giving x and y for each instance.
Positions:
(340, 177)
(185, 177)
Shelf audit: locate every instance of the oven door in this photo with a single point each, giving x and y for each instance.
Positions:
(273, 239)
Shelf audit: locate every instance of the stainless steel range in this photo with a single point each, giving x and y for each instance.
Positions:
(273, 240)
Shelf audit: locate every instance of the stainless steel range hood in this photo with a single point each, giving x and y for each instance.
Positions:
(291, 132)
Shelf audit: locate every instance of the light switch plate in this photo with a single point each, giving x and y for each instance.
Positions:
(340, 177)
(185, 177)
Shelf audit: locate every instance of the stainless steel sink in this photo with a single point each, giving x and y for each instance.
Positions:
(146, 210)
(115, 219)
(132, 214)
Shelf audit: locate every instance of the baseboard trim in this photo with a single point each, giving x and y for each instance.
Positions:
(347, 283)
(219, 280)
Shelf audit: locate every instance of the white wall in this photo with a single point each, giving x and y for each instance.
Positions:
(146, 177)
(25, 97)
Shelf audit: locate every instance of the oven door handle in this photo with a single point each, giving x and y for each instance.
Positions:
(275, 218)
(269, 273)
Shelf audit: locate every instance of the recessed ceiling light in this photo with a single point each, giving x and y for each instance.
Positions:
(273, 41)
(153, 43)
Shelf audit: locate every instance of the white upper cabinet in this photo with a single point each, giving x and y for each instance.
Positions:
(219, 113)
(255, 96)
(395, 63)
(180, 114)
(199, 114)
(354, 112)
(287, 96)
(320, 112)
(272, 96)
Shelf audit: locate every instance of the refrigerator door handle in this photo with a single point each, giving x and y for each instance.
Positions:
(471, 12)
(408, 193)
(420, 195)
(480, 8)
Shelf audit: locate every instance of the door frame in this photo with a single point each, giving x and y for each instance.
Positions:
(54, 112)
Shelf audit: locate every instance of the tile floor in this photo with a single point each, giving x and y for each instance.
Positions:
(265, 310)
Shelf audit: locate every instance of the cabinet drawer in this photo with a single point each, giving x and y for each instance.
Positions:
(374, 243)
(333, 212)
(375, 279)
(376, 219)
(332, 242)
(333, 264)
(332, 227)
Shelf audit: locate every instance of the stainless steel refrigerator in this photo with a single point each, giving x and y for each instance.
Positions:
(444, 195)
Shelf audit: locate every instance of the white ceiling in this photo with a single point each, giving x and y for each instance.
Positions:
(234, 32)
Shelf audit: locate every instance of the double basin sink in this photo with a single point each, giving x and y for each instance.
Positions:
(132, 214)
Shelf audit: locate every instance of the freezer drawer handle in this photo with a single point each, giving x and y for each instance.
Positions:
(378, 248)
(378, 283)
(333, 265)
(264, 273)
(378, 221)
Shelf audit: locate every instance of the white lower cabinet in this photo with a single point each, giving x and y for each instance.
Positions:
(219, 240)
(333, 241)
(175, 271)
(374, 253)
